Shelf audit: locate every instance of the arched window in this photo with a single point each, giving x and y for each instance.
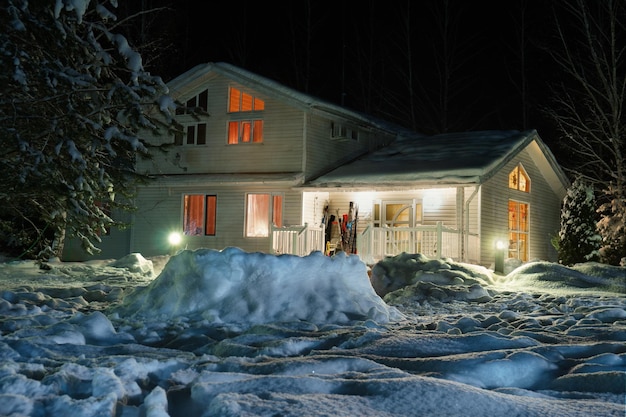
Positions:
(519, 180)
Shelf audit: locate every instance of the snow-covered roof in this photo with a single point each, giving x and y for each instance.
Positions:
(184, 180)
(190, 80)
(453, 158)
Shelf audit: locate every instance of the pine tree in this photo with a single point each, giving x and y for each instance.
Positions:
(75, 101)
(578, 238)
(612, 228)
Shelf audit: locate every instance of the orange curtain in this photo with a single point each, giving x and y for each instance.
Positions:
(211, 215)
(257, 215)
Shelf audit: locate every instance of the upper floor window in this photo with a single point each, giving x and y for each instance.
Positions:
(194, 130)
(244, 129)
(519, 180)
(239, 101)
(342, 131)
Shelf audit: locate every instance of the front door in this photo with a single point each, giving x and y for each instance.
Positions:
(397, 216)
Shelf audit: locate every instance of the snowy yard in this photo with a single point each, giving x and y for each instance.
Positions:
(210, 333)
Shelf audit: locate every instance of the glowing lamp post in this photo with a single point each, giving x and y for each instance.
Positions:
(174, 240)
(500, 249)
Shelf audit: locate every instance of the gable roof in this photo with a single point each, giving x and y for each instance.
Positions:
(192, 79)
(445, 159)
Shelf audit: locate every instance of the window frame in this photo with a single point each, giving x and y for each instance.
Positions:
(519, 228)
(519, 171)
(256, 104)
(208, 215)
(275, 214)
(195, 132)
(246, 124)
(253, 134)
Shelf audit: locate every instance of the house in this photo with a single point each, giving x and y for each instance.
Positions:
(455, 195)
(270, 166)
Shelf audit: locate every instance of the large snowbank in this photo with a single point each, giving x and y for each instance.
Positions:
(525, 350)
(234, 287)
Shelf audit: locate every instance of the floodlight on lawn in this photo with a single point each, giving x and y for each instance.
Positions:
(501, 248)
(174, 239)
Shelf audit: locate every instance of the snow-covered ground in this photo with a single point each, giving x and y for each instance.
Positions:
(229, 333)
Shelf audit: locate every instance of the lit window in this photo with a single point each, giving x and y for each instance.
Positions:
(239, 101)
(518, 230)
(245, 131)
(199, 214)
(519, 180)
(248, 130)
(259, 212)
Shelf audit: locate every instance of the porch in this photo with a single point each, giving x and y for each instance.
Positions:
(376, 243)
(297, 240)
(436, 241)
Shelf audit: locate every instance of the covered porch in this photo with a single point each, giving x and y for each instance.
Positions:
(376, 243)
(438, 222)
(438, 241)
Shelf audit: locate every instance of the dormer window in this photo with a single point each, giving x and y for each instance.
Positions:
(519, 180)
(246, 124)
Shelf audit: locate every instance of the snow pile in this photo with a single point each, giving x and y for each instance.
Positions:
(242, 289)
(525, 350)
(546, 275)
(414, 277)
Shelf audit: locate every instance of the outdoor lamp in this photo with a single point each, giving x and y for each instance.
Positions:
(500, 249)
(174, 240)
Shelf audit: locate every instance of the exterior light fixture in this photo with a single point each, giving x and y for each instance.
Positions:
(174, 239)
(501, 248)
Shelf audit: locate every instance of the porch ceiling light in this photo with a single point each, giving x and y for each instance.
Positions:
(432, 199)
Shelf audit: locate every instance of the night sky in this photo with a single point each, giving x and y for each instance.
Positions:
(381, 56)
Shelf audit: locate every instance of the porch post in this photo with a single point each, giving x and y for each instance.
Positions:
(439, 236)
(460, 210)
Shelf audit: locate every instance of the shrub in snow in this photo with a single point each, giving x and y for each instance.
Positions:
(578, 239)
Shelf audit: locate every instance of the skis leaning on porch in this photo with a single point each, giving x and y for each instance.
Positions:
(341, 231)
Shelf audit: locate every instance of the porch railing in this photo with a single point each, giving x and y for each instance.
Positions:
(297, 240)
(437, 241)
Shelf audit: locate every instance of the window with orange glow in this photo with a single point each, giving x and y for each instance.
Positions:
(245, 131)
(199, 214)
(259, 212)
(239, 101)
(248, 130)
(519, 180)
(518, 230)
(211, 217)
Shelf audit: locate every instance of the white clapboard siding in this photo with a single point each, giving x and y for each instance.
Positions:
(543, 218)
(161, 212)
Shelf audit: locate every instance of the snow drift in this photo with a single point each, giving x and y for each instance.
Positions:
(240, 288)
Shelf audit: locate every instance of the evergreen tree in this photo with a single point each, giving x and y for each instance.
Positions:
(612, 228)
(75, 100)
(578, 238)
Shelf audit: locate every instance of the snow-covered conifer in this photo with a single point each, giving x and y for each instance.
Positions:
(578, 238)
(75, 101)
(612, 228)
